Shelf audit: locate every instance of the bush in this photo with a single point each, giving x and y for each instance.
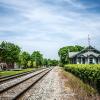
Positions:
(88, 73)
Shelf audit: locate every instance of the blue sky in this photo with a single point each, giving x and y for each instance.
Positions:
(47, 25)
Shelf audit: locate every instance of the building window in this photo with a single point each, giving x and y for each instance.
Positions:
(83, 60)
(97, 60)
(90, 60)
(79, 60)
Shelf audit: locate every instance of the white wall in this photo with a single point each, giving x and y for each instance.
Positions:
(86, 60)
(98, 60)
(94, 60)
(16, 66)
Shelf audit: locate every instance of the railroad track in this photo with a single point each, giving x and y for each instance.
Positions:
(10, 77)
(20, 86)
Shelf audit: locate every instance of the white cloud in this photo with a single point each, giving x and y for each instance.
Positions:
(39, 26)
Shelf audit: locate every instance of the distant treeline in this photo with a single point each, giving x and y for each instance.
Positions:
(11, 53)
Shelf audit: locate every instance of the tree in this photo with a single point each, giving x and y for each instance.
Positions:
(29, 64)
(49, 62)
(24, 59)
(10, 52)
(34, 64)
(63, 52)
(52, 62)
(45, 62)
(37, 57)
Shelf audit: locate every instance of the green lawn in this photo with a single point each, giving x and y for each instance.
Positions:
(6, 73)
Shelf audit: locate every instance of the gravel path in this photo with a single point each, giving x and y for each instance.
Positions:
(51, 87)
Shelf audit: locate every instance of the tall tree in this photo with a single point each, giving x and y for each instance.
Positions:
(45, 62)
(37, 57)
(10, 52)
(24, 59)
(49, 62)
(63, 52)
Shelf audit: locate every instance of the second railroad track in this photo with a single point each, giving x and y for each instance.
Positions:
(15, 88)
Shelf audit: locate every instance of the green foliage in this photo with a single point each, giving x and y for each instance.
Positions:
(34, 64)
(29, 64)
(63, 52)
(37, 57)
(10, 52)
(88, 73)
(82, 89)
(49, 62)
(54, 62)
(45, 62)
(24, 58)
(7, 73)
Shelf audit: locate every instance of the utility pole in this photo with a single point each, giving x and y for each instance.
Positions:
(89, 40)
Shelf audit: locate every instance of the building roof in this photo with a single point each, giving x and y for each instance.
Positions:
(88, 51)
(72, 54)
(90, 48)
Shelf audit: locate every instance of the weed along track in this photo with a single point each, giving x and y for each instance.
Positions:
(15, 88)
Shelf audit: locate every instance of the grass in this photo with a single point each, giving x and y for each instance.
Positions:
(83, 91)
(7, 73)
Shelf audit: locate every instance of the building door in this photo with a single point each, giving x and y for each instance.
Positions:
(83, 60)
(90, 60)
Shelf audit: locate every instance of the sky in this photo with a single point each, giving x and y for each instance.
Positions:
(47, 25)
